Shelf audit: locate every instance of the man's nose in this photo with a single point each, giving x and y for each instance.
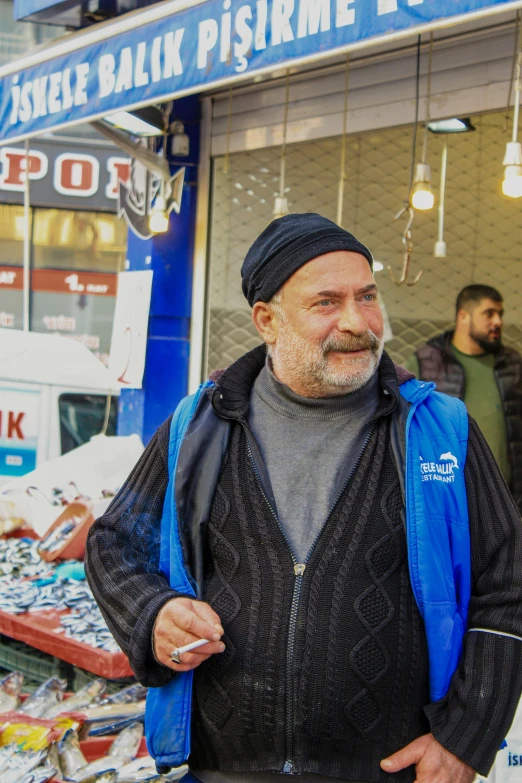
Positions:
(497, 320)
(351, 319)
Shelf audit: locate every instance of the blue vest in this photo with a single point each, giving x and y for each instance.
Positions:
(437, 532)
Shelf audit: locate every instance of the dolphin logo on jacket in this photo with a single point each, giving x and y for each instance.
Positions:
(448, 457)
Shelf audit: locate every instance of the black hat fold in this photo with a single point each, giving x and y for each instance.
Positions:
(287, 244)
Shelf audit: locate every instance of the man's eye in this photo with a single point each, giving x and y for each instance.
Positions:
(325, 302)
(369, 297)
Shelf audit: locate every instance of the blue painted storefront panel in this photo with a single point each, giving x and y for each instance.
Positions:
(170, 257)
(198, 46)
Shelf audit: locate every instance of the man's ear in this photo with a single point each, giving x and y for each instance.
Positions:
(266, 322)
(463, 317)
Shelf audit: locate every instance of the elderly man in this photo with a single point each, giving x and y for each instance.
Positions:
(340, 535)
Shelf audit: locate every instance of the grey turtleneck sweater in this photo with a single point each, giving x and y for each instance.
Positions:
(309, 448)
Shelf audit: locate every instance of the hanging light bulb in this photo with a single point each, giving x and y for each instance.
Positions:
(445, 128)
(281, 201)
(422, 197)
(159, 219)
(280, 207)
(512, 184)
(159, 215)
(440, 245)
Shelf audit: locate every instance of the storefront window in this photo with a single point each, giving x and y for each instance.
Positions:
(87, 241)
(483, 230)
(76, 256)
(12, 225)
(82, 416)
(11, 235)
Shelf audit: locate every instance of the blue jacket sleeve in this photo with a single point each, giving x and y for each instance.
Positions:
(474, 717)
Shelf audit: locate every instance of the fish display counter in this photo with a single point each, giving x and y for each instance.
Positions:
(50, 607)
(43, 631)
(83, 737)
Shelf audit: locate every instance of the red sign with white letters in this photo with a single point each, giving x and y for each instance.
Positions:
(11, 278)
(68, 282)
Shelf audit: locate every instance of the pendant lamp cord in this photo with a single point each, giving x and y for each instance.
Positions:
(407, 208)
(518, 65)
(428, 101)
(414, 139)
(229, 133)
(516, 51)
(342, 172)
(282, 171)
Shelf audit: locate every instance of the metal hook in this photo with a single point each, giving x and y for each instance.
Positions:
(408, 243)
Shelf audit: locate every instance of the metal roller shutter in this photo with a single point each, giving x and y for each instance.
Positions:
(483, 228)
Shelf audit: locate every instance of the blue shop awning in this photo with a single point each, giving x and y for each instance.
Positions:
(180, 47)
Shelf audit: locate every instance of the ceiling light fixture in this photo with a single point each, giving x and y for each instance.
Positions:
(444, 128)
(148, 121)
(281, 202)
(159, 213)
(159, 219)
(512, 183)
(451, 125)
(421, 195)
(156, 164)
(440, 245)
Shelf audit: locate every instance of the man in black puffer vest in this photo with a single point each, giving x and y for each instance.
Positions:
(472, 363)
(285, 505)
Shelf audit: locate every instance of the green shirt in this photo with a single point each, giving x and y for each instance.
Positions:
(483, 401)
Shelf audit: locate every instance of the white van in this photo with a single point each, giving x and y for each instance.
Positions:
(53, 398)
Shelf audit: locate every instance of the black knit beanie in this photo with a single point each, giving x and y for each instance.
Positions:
(287, 244)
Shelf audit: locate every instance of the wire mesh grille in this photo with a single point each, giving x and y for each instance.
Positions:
(483, 230)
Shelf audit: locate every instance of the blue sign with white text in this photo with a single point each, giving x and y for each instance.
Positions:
(17, 462)
(197, 47)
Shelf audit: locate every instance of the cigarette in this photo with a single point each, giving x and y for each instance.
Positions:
(192, 646)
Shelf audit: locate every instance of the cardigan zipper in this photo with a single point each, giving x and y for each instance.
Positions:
(299, 569)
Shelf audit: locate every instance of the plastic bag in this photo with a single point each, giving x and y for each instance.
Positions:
(10, 519)
(97, 467)
(35, 733)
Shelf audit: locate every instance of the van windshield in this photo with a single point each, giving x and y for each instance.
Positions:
(82, 416)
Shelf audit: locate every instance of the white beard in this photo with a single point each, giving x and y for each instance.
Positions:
(303, 363)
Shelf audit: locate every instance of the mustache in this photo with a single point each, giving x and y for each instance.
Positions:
(349, 342)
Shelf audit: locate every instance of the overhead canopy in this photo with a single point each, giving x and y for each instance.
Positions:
(30, 357)
(64, 13)
(179, 47)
